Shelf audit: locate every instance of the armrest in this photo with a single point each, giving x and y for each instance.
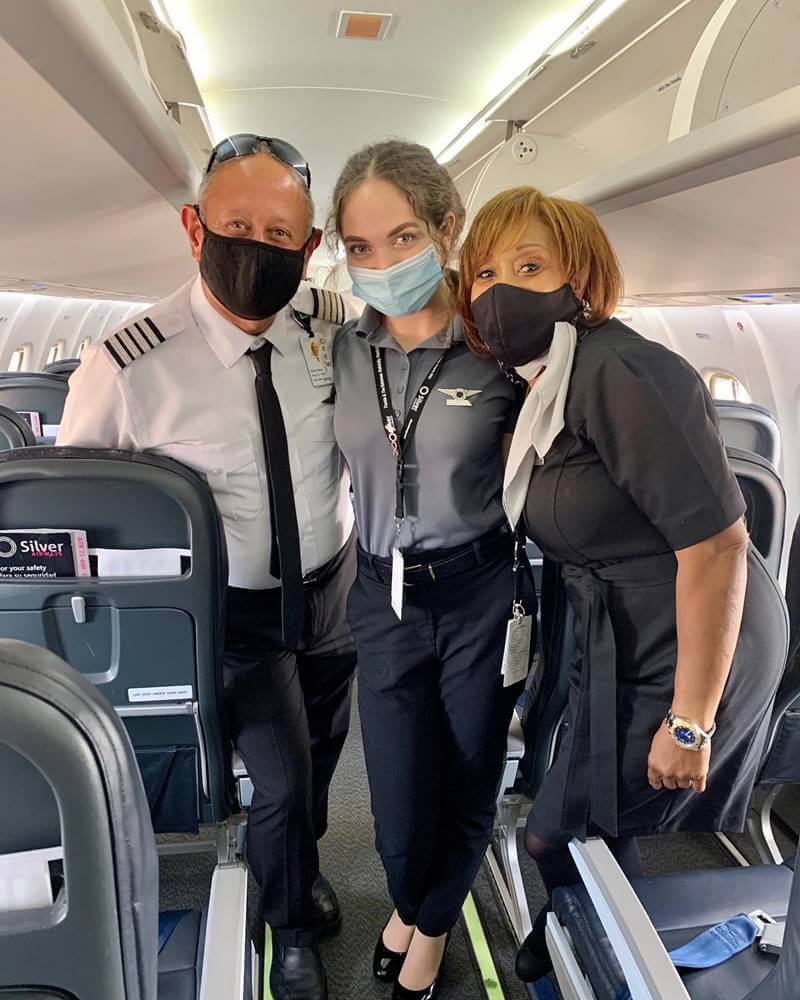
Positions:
(647, 966)
(226, 935)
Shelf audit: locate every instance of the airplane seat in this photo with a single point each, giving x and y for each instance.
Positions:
(14, 431)
(793, 587)
(749, 427)
(151, 639)
(36, 392)
(64, 366)
(79, 904)
(781, 763)
(765, 497)
(597, 959)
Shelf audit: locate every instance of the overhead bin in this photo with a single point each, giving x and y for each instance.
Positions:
(715, 209)
(747, 53)
(90, 52)
(760, 135)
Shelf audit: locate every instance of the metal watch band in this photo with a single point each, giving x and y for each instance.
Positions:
(680, 727)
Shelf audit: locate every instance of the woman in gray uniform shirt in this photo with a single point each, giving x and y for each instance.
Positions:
(422, 422)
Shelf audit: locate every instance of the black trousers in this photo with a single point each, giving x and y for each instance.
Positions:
(435, 719)
(289, 713)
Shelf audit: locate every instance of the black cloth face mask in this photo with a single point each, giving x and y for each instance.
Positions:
(518, 324)
(251, 279)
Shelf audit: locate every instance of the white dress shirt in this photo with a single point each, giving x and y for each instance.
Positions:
(192, 398)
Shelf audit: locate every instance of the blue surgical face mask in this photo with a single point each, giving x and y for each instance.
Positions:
(402, 289)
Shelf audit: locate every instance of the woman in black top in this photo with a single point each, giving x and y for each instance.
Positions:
(619, 472)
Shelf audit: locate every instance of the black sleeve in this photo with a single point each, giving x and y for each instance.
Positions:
(652, 421)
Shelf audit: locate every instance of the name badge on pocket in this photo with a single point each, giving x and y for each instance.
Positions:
(517, 650)
(318, 361)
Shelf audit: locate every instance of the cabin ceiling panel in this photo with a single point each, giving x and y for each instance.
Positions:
(278, 68)
(328, 126)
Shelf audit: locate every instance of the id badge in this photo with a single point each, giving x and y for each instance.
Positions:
(517, 650)
(318, 361)
(398, 572)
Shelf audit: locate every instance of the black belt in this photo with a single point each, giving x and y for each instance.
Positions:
(590, 791)
(439, 564)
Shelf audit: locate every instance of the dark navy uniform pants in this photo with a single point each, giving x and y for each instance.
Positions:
(289, 714)
(435, 719)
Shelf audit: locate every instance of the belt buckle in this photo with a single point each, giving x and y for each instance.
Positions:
(769, 935)
(761, 920)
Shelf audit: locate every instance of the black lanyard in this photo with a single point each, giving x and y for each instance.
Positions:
(522, 567)
(399, 440)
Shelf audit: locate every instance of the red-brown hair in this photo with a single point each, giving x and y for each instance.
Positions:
(587, 258)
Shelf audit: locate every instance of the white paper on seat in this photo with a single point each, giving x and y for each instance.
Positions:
(139, 562)
(25, 879)
(50, 430)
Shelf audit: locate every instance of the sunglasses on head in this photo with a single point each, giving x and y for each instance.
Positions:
(245, 144)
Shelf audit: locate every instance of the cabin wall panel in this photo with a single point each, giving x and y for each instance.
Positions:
(41, 320)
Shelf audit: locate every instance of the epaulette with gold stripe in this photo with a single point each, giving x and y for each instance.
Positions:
(328, 306)
(132, 342)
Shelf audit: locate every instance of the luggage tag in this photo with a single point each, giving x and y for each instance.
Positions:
(318, 360)
(517, 650)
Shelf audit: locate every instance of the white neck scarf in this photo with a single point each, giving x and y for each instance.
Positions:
(541, 419)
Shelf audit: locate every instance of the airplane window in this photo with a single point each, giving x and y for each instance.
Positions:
(56, 352)
(723, 385)
(18, 360)
(86, 342)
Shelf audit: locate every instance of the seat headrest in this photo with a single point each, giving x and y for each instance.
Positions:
(65, 366)
(766, 503)
(14, 431)
(747, 425)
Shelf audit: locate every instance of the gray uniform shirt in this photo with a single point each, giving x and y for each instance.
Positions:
(453, 465)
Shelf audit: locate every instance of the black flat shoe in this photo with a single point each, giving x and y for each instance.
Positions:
(327, 912)
(430, 992)
(386, 964)
(297, 974)
(531, 964)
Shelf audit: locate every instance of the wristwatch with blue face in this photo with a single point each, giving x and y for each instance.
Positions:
(687, 734)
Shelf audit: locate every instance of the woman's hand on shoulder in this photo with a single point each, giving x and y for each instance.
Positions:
(669, 766)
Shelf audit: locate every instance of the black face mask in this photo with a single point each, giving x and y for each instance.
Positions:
(517, 324)
(253, 280)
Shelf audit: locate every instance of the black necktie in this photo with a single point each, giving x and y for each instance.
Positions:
(285, 562)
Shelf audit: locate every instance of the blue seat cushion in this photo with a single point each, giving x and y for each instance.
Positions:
(681, 906)
(180, 961)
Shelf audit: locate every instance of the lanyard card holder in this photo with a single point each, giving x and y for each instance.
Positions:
(517, 650)
(399, 439)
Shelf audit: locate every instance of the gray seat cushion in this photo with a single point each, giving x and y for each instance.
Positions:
(681, 906)
(181, 960)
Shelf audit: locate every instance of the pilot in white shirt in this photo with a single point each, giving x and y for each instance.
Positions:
(192, 398)
(202, 378)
